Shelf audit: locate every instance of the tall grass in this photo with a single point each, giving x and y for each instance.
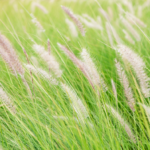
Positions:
(74, 95)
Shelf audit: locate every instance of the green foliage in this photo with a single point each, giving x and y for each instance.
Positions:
(35, 125)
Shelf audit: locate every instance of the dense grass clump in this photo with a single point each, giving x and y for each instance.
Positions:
(74, 74)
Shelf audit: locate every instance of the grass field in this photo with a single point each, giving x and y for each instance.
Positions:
(61, 89)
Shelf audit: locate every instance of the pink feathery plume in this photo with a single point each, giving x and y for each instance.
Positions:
(77, 62)
(8, 53)
(7, 59)
(41, 7)
(7, 47)
(75, 19)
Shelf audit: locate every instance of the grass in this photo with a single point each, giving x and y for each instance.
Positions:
(46, 120)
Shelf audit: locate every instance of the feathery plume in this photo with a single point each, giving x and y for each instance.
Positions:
(77, 62)
(91, 69)
(92, 24)
(140, 11)
(110, 12)
(72, 28)
(49, 59)
(103, 12)
(89, 18)
(109, 34)
(41, 7)
(116, 36)
(11, 55)
(138, 65)
(67, 38)
(41, 72)
(99, 20)
(122, 122)
(6, 58)
(77, 104)
(129, 6)
(121, 10)
(37, 24)
(147, 110)
(131, 29)
(125, 83)
(141, 7)
(86, 22)
(75, 19)
(114, 88)
(128, 37)
(146, 4)
(95, 23)
(34, 61)
(6, 100)
(134, 20)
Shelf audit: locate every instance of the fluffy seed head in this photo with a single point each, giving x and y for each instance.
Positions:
(49, 59)
(136, 20)
(103, 12)
(122, 122)
(91, 69)
(77, 104)
(131, 29)
(72, 28)
(128, 37)
(139, 67)
(41, 72)
(6, 100)
(90, 22)
(125, 83)
(9, 55)
(39, 6)
(37, 24)
(77, 62)
(75, 19)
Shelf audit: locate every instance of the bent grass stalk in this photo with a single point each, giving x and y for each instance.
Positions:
(77, 62)
(9, 55)
(75, 19)
(122, 122)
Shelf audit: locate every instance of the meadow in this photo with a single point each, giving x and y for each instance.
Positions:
(74, 75)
